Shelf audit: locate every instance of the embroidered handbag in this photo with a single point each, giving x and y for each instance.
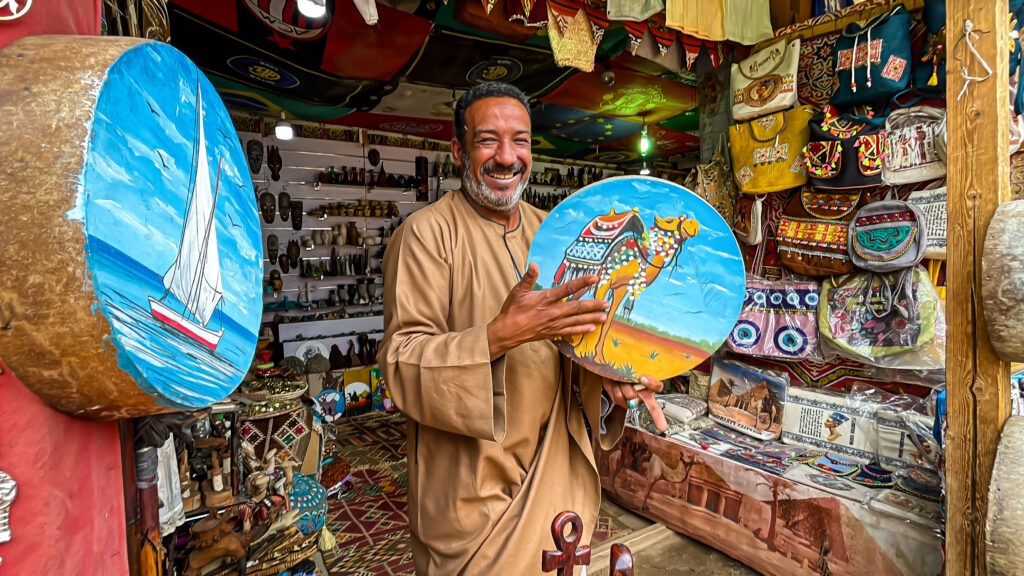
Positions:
(932, 203)
(765, 82)
(864, 318)
(814, 231)
(714, 183)
(872, 60)
(917, 141)
(843, 153)
(888, 236)
(767, 152)
(777, 319)
(747, 222)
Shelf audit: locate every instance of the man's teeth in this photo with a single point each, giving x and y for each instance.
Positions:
(502, 175)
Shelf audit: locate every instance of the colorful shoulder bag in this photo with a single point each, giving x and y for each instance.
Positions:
(714, 183)
(932, 203)
(872, 60)
(843, 153)
(767, 152)
(777, 319)
(814, 231)
(917, 144)
(765, 82)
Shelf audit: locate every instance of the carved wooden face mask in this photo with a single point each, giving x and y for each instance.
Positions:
(274, 162)
(268, 207)
(284, 205)
(254, 155)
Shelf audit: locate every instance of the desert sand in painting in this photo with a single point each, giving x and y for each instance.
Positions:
(632, 352)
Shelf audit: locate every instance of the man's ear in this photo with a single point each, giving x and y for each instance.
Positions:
(457, 152)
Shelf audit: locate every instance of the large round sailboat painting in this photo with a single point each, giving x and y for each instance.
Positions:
(667, 263)
(173, 238)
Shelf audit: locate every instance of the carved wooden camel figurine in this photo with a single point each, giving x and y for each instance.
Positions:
(629, 269)
(570, 553)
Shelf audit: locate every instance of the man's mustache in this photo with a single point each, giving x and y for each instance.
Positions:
(493, 168)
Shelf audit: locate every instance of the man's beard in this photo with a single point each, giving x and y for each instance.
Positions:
(480, 193)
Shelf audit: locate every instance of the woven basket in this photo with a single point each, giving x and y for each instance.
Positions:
(575, 46)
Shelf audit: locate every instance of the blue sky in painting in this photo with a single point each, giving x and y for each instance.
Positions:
(701, 297)
(142, 141)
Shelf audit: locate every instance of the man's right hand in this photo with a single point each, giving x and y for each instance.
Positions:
(529, 315)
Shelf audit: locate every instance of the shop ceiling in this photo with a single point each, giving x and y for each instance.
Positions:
(399, 75)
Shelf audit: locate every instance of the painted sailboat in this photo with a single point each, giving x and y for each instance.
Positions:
(194, 278)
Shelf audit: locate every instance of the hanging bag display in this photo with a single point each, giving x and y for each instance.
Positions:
(917, 143)
(777, 319)
(932, 203)
(843, 153)
(765, 82)
(814, 231)
(747, 222)
(892, 308)
(888, 236)
(767, 153)
(862, 316)
(713, 182)
(872, 60)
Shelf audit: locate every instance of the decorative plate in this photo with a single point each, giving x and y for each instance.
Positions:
(668, 263)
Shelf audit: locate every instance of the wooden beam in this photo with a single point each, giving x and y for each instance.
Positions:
(977, 382)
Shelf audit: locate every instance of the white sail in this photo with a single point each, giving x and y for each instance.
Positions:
(194, 277)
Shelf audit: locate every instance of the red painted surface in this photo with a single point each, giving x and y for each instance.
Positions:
(48, 17)
(68, 517)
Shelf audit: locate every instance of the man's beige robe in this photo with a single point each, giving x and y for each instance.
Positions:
(496, 449)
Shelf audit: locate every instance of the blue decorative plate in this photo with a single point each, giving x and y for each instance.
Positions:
(668, 263)
(173, 239)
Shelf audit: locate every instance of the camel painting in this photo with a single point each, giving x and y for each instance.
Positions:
(629, 261)
(667, 264)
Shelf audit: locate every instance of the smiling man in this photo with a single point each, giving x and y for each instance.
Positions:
(497, 440)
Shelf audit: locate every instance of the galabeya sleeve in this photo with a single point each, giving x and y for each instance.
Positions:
(437, 377)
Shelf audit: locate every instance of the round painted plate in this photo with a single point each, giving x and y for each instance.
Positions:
(173, 239)
(668, 263)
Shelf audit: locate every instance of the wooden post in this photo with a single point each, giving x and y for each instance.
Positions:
(977, 382)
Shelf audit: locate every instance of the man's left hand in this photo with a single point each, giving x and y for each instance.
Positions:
(626, 394)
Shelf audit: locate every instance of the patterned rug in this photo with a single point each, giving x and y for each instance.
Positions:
(371, 520)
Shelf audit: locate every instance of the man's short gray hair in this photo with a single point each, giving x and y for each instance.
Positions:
(479, 92)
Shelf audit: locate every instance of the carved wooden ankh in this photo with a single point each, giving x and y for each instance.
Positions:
(570, 553)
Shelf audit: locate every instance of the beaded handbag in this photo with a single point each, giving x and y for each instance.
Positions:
(814, 232)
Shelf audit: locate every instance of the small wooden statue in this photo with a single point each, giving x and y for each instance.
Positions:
(212, 539)
(215, 491)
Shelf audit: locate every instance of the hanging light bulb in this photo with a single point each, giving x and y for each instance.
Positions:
(283, 130)
(645, 142)
(312, 8)
(645, 170)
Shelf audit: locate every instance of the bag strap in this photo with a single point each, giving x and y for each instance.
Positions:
(785, 52)
(775, 137)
